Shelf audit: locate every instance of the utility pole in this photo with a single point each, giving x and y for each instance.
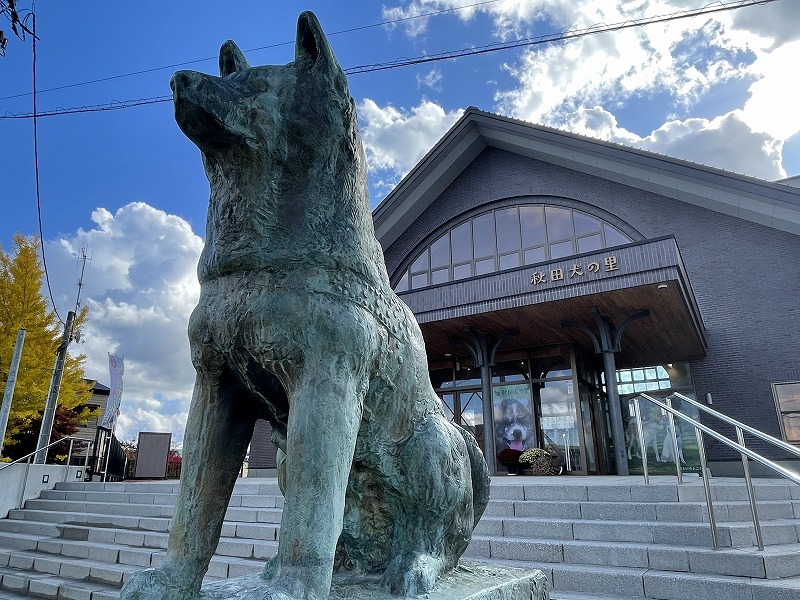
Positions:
(58, 373)
(52, 397)
(5, 409)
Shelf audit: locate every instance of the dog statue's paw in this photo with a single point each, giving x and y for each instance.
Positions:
(411, 574)
(268, 594)
(155, 584)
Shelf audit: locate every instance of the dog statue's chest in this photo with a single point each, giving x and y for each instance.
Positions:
(380, 302)
(272, 298)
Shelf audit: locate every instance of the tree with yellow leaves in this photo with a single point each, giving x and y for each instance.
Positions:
(24, 306)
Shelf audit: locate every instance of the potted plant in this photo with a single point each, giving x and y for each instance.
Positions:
(509, 458)
(539, 461)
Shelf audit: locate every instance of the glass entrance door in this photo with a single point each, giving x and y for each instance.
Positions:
(465, 408)
(560, 424)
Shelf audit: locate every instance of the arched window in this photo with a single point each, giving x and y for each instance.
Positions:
(506, 238)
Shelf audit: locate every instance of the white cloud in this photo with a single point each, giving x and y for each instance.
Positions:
(511, 17)
(679, 63)
(726, 142)
(431, 79)
(777, 25)
(677, 58)
(396, 139)
(772, 106)
(140, 287)
(409, 18)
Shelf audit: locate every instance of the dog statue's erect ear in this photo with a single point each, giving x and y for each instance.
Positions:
(231, 59)
(312, 47)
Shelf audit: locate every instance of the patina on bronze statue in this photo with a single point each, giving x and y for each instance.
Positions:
(297, 324)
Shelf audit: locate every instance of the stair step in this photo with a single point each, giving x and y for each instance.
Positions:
(134, 511)
(92, 519)
(9, 595)
(730, 534)
(47, 585)
(263, 487)
(272, 500)
(695, 512)
(138, 510)
(613, 540)
(107, 566)
(18, 583)
(623, 583)
(22, 519)
(661, 489)
(560, 595)
(775, 562)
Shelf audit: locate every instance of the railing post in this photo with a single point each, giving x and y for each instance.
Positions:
(24, 483)
(69, 458)
(707, 488)
(751, 493)
(739, 446)
(671, 427)
(89, 447)
(642, 447)
(107, 447)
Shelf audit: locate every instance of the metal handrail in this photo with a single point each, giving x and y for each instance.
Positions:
(28, 456)
(731, 421)
(745, 452)
(27, 459)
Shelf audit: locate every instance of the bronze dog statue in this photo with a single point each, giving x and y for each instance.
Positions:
(297, 324)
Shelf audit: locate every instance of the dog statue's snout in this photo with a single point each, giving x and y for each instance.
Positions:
(179, 81)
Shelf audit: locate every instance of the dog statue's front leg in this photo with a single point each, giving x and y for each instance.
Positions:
(325, 412)
(218, 432)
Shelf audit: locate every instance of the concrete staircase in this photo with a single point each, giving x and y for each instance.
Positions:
(596, 538)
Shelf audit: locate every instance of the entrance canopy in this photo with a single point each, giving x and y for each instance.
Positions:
(535, 300)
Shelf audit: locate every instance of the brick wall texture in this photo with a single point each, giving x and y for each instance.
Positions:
(745, 276)
(262, 449)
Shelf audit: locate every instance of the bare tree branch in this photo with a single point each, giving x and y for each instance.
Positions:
(19, 22)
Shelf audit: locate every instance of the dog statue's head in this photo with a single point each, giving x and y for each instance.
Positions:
(268, 111)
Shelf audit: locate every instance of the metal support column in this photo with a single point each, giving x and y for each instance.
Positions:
(483, 355)
(614, 407)
(608, 345)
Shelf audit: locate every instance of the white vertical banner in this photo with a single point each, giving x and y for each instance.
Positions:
(116, 368)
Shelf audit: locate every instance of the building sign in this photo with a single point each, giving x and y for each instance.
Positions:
(575, 271)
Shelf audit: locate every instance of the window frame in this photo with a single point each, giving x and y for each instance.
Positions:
(479, 266)
(774, 386)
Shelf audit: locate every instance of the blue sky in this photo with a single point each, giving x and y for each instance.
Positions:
(127, 185)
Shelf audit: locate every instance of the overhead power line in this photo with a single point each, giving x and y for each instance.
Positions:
(714, 7)
(595, 29)
(36, 170)
(267, 47)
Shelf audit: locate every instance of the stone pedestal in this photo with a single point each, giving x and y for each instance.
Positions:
(470, 581)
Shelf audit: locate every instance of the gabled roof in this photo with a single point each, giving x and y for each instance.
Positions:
(774, 204)
(97, 387)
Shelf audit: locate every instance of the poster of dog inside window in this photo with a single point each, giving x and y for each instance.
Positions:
(513, 417)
